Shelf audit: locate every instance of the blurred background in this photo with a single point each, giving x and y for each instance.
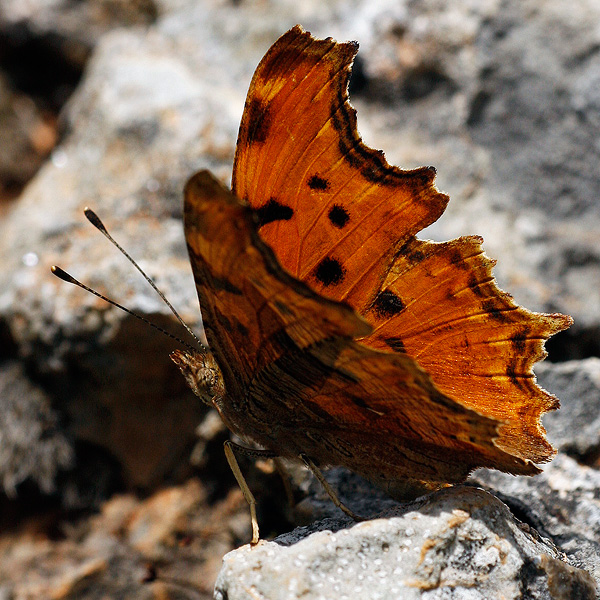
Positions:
(112, 476)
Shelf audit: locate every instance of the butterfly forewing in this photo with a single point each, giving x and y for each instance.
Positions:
(333, 208)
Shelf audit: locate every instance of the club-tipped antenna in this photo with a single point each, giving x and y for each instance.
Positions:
(94, 219)
(61, 274)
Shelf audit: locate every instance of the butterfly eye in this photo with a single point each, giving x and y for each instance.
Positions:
(201, 374)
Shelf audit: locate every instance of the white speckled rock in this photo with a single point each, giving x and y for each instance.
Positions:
(562, 503)
(461, 543)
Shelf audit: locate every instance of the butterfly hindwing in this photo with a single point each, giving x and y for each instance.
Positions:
(245, 297)
(440, 304)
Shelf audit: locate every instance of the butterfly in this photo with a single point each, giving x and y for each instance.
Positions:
(335, 334)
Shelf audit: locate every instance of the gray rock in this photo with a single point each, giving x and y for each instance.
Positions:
(575, 428)
(76, 22)
(129, 152)
(562, 503)
(32, 447)
(458, 543)
(501, 97)
(26, 136)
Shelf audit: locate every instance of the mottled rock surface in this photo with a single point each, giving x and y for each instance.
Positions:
(575, 428)
(562, 504)
(458, 543)
(501, 97)
(168, 546)
(32, 445)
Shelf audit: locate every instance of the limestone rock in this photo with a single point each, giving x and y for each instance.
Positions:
(458, 543)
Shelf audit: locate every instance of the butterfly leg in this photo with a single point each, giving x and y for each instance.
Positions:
(330, 491)
(237, 473)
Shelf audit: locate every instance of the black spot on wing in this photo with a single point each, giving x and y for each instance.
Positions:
(329, 271)
(519, 340)
(318, 183)
(242, 329)
(456, 258)
(257, 122)
(499, 315)
(338, 216)
(395, 343)
(416, 256)
(475, 286)
(387, 304)
(497, 311)
(273, 211)
(516, 376)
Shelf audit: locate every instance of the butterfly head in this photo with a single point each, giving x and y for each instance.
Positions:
(201, 373)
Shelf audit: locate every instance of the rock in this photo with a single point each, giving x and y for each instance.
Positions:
(502, 98)
(575, 428)
(461, 543)
(562, 503)
(44, 48)
(32, 446)
(28, 135)
(77, 23)
(168, 546)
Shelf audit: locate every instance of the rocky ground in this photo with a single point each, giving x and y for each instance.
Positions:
(112, 474)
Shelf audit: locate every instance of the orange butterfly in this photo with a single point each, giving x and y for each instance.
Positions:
(335, 334)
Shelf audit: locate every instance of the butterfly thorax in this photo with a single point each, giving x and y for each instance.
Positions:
(201, 373)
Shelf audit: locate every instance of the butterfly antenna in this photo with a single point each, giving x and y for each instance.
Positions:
(70, 279)
(94, 219)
